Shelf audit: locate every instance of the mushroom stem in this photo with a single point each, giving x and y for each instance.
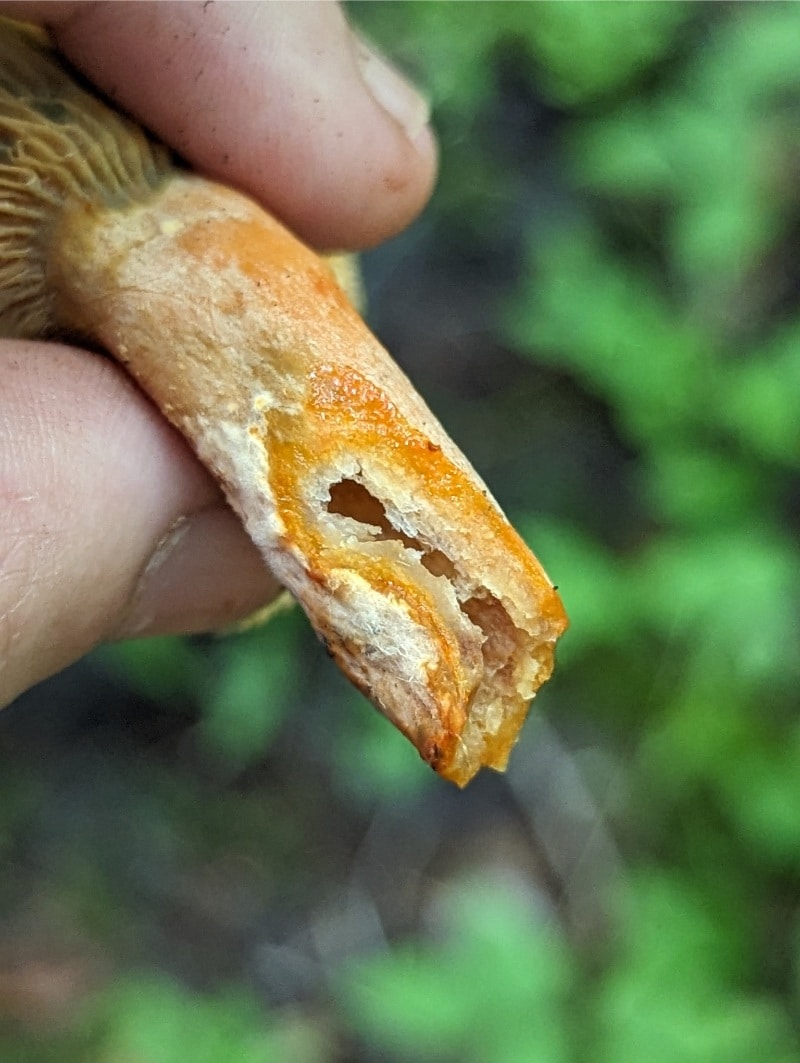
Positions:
(356, 497)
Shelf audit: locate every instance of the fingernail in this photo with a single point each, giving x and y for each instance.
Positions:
(204, 574)
(393, 92)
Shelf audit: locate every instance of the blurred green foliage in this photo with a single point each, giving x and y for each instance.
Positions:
(656, 218)
(661, 281)
(147, 1019)
(496, 990)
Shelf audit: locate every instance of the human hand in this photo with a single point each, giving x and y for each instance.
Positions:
(108, 525)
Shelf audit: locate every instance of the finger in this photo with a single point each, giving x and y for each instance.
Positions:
(280, 99)
(108, 525)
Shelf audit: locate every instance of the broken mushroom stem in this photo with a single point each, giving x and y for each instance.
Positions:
(242, 336)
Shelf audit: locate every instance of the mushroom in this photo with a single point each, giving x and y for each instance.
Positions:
(357, 499)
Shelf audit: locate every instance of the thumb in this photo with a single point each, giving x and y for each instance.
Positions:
(281, 100)
(108, 525)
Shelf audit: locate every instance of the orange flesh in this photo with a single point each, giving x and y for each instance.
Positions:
(335, 418)
(341, 406)
(286, 309)
(342, 410)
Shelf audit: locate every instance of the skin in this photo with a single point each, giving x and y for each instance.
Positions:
(108, 525)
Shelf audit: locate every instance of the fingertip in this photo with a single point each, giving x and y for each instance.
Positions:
(204, 575)
(283, 101)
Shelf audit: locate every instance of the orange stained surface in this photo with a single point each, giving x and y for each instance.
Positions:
(343, 409)
(290, 457)
(271, 258)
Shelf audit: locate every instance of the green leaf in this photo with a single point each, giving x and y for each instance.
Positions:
(689, 484)
(761, 790)
(499, 981)
(758, 399)
(732, 594)
(373, 760)
(249, 696)
(752, 56)
(587, 49)
(672, 995)
(583, 309)
(156, 1021)
(168, 670)
(403, 1002)
(591, 582)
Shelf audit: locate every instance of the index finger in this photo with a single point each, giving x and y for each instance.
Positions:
(279, 99)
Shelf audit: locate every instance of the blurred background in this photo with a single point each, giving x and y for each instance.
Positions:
(214, 850)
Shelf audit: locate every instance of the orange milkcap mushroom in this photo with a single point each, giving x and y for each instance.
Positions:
(357, 499)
